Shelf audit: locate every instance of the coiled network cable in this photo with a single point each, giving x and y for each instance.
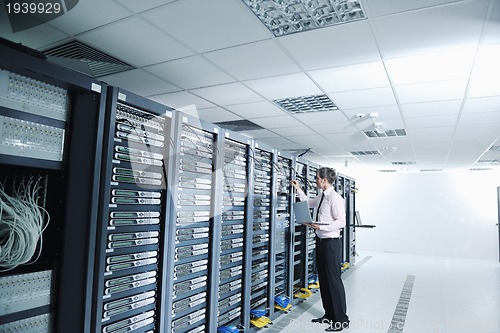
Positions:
(22, 222)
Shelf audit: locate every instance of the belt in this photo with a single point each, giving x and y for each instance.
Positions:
(321, 240)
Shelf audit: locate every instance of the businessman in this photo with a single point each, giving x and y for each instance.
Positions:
(329, 209)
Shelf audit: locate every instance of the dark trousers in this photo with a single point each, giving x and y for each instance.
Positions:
(329, 259)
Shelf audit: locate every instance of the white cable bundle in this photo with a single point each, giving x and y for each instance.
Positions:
(21, 226)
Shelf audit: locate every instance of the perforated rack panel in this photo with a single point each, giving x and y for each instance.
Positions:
(312, 191)
(283, 269)
(133, 218)
(261, 270)
(193, 230)
(232, 240)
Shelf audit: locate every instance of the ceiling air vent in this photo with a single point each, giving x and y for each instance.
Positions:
(365, 153)
(480, 169)
(387, 170)
(386, 134)
(490, 161)
(85, 59)
(304, 104)
(404, 163)
(431, 170)
(239, 125)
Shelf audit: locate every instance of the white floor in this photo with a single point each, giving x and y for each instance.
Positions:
(448, 296)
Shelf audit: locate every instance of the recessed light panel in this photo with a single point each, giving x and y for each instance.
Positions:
(365, 153)
(315, 103)
(285, 17)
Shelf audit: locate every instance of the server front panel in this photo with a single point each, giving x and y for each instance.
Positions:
(193, 230)
(133, 219)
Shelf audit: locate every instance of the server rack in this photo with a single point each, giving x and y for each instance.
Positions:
(235, 276)
(312, 191)
(263, 218)
(194, 204)
(351, 222)
(300, 245)
(345, 187)
(130, 254)
(282, 231)
(50, 144)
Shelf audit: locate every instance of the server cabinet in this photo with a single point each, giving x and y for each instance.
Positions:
(312, 191)
(195, 197)
(340, 187)
(51, 122)
(263, 205)
(300, 279)
(351, 223)
(344, 186)
(282, 232)
(234, 248)
(133, 223)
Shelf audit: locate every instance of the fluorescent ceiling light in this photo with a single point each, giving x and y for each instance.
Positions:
(314, 103)
(285, 17)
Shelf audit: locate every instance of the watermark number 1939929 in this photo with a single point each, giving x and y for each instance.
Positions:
(26, 14)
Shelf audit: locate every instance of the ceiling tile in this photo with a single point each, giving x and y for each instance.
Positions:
(433, 91)
(442, 27)
(190, 72)
(492, 29)
(204, 26)
(341, 127)
(437, 66)
(363, 98)
(256, 110)
(277, 122)
(333, 46)
(292, 131)
(276, 142)
(139, 82)
(259, 134)
(377, 8)
(131, 46)
(182, 101)
(431, 108)
(430, 131)
(308, 139)
(255, 60)
(483, 132)
(484, 104)
(351, 77)
(89, 14)
(217, 114)
(478, 118)
(291, 85)
(327, 117)
(379, 113)
(40, 39)
(228, 94)
(431, 121)
(140, 6)
(485, 79)
(429, 140)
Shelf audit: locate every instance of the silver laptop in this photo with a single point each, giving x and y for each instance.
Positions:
(302, 213)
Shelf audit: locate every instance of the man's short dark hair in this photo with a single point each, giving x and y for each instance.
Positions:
(329, 173)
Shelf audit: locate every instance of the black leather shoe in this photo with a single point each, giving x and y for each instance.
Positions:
(338, 326)
(321, 320)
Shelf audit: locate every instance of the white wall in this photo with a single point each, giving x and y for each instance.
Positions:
(451, 214)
